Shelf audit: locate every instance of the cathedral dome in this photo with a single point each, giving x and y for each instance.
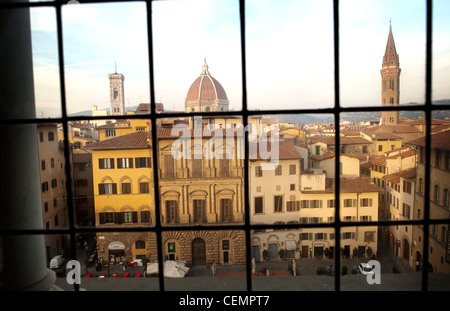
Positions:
(206, 94)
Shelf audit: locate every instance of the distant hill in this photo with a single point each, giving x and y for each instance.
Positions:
(363, 115)
(303, 119)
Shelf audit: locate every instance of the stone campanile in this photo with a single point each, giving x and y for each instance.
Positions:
(390, 81)
(116, 90)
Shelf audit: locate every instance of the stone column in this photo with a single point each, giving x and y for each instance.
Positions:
(23, 264)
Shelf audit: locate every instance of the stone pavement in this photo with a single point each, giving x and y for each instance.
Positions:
(233, 278)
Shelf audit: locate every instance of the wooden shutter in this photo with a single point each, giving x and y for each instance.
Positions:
(101, 163)
(114, 188)
(101, 189)
(118, 218)
(101, 218)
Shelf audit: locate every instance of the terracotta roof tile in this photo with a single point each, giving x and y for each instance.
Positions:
(81, 157)
(438, 141)
(136, 140)
(347, 185)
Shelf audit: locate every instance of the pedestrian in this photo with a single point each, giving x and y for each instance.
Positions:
(213, 269)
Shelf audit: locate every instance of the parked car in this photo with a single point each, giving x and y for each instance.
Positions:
(57, 262)
(365, 268)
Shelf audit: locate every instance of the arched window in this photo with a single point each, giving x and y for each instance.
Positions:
(436, 193)
(446, 201)
(140, 244)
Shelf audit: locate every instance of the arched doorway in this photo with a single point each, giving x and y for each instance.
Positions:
(116, 251)
(198, 252)
(405, 249)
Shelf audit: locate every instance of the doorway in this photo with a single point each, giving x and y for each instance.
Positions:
(198, 252)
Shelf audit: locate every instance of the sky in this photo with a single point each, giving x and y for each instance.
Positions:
(289, 52)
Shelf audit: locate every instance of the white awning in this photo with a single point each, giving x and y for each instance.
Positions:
(291, 245)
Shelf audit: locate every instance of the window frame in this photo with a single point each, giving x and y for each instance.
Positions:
(428, 107)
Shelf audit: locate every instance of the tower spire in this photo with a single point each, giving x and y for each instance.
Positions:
(390, 55)
(390, 80)
(115, 66)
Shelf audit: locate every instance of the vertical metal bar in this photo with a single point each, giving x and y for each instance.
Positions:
(68, 165)
(154, 146)
(246, 149)
(337, 148)
(428, 111)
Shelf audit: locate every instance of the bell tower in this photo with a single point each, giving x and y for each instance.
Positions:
(390, 81)
(116, 90)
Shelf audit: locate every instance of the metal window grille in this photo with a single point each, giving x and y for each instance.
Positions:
(245, 113)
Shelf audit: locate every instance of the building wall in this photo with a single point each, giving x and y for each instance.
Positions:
(53, 187)
(133, 201)
(438, 238)
(270, 185)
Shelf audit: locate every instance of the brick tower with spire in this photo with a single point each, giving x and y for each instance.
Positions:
(390, 81)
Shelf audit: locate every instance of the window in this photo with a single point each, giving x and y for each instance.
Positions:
(43, 165)
(44, 186)
(446, 198)
(259, 205)
(305, 203)
(226, 210)
(437, 161)
(365, 202)
(436, 193)
(110, 133)
(143, 162)
(407, 186)
(369, 236)
(199, 210)
(126, 188)
(106, 218)
(145, 216)
(54, 183)
(292, 206)
(169, 166)
(224, 167)
(140, 244)
(315, 203)
(197, 167)
(106, 163)
(129, 217)
(125, 163)
(350, 203)
(107, 188)
(292, 169)
(172, 211)
(278, 170)
(406, 210)
(144, 187)
(278, 203)
(292, 187)
(421, 186)
(380, 147)
(258, 171)
(51, 136)
(331, 203)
